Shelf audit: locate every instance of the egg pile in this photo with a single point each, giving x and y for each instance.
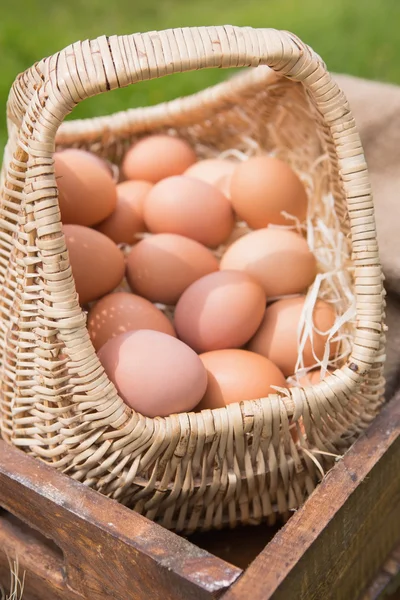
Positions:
(194, 293)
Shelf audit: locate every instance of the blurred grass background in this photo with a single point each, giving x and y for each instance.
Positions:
(354, 36)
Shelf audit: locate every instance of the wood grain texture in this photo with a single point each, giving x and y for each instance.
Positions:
(109, 551)
(38, 558)
(386, 584)
(332, 547)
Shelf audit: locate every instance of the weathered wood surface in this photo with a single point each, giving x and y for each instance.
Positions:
(333, 546)
(109, 551)
(41, 561)
(386, 584)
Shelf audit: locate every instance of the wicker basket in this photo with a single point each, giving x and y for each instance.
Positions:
(199, 470)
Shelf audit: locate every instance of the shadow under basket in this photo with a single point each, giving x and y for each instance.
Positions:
(196, 471)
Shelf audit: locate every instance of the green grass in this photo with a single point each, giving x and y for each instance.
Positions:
(354, 36)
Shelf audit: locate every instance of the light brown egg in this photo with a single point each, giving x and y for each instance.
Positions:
(277, 336)
(224, 185)
(86, 190)
(97, 263)
(154, 373)
(211, 170)
(135, 192)
(191, 208)
(121, 225)
(278, 258)
(102, 162)
(161, 267)
(220, 310)
(262, 187)
(156, 157)
(126, 222)
(121, 312)
(237, 375)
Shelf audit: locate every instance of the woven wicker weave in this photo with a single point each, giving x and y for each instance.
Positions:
(187, 471)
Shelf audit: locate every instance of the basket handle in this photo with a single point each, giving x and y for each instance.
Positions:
(41, 98)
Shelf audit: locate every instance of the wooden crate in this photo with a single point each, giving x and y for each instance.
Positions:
(338, 546)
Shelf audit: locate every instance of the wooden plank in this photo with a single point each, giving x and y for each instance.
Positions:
(334, 545)
(109, 551)
(343, 545)
(41, 562)
(387, 583)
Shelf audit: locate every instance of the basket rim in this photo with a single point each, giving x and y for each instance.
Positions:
(56, 84)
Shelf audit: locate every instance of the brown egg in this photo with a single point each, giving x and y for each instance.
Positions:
(121, 312)
(121, 225)
(162, 266)
(135, 192)
(279, 259)
(126, 222)
(156, 157)
(211, 170)
(262, 187)
(86, 190)
(102, 162)
(220, 310)
(154, 373)
(191, 208)
(224, 185)
(237, 375)
(277, 337)
(97, 263)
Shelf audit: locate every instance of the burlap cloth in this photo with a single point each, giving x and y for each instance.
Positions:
(376, 107)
